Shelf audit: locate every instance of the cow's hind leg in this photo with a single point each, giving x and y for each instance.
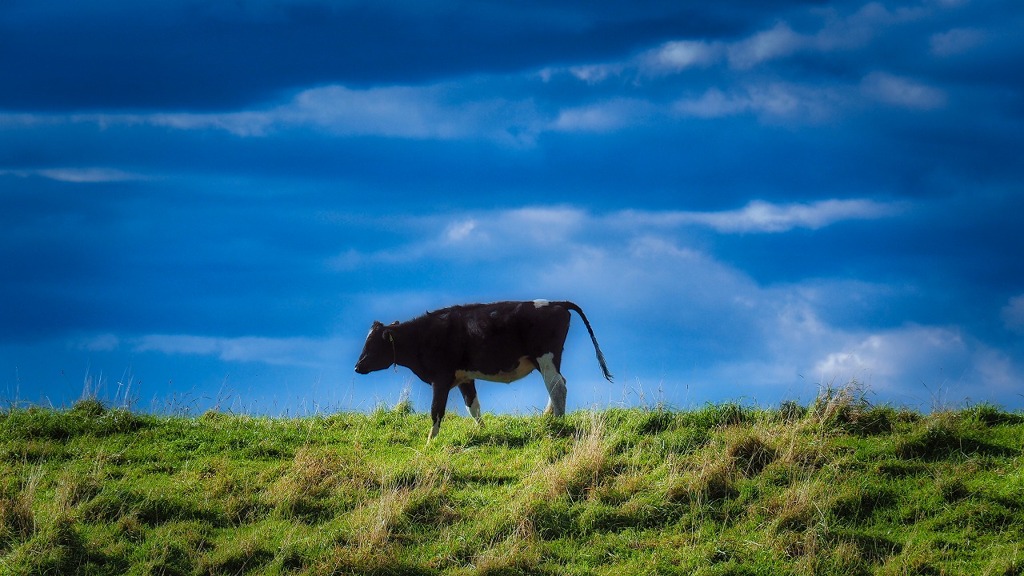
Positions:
(468, 390)
(555, 383)
(437, 407)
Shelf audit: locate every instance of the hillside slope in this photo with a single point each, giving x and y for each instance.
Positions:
(837, 488)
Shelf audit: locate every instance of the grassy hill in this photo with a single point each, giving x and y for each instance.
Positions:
(839, 487)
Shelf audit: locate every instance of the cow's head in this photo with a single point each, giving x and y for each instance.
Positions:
(378, 351)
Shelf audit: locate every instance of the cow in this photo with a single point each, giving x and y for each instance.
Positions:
(497, 342)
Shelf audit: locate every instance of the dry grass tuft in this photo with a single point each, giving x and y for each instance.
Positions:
(749, 452)
(400, 502)
(800, 451)
(314, 473)
(579, 470)
(17, 519)
(74, 488)
(713, 481)
(518, 553)
(373, 523)
(836, 406)
(799, 506)
(702, 479)
(238, 555)
(575, 476)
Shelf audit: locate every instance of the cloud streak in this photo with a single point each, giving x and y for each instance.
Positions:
(447, 110)
(299, 352)
(835, 32)
(765, 217)
(903, 92)
(93, 175)
(394, 112)
(496, 234)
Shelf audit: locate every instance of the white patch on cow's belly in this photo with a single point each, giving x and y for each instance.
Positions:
(524, 367)
(540, 303)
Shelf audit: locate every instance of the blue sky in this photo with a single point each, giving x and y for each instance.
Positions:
(207, 204)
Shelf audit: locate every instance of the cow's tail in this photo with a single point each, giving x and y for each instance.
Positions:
(597, 348)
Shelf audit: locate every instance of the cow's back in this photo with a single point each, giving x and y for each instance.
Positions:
(491, 338)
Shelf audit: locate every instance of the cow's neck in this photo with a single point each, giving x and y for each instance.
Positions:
(406, 347)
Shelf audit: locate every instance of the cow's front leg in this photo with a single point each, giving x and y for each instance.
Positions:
(468, 390)
(438, 406)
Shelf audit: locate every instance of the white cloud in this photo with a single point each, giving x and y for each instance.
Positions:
(398, 111)
(922, 365)
(1013, 314)
(679, 55)
(544, 225)
(472, 109)
(770, 44)
(606, 116)
(418, 112)
(494, 234)
(591, 73)
(99, 343)
(765, 217)
(488, 235)
(484, 235)
(836, 33)
(997, 370)
(771, 101)
(780, 41)
(90, 175)
(858, 29)
(903, 92)
(713, 104)
(887, 355)
(245, 123)
(305, 352)
(501, 231)
(442, 111)
(459, 231)
(656, 247)
(955, 41)
(789, 102)
(637, 272)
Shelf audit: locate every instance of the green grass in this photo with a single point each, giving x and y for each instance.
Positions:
(838, 487)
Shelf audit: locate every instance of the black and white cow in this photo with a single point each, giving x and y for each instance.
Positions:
(499, 342)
